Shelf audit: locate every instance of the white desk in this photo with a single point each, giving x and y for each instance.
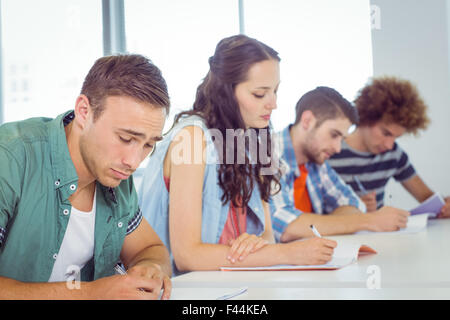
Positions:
(412, 266)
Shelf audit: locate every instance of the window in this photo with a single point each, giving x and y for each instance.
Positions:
(321, 43)
(179, 36)
(48, 48)
(324, 42)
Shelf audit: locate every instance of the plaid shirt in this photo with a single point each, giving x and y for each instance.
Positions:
(327, 191)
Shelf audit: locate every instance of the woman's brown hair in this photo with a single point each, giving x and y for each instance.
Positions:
(216, 103)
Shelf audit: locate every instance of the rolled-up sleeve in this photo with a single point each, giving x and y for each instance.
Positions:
(336, 193)
(282, 208)
(405, 169)
(136, 218)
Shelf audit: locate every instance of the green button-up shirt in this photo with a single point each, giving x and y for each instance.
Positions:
(37, 177)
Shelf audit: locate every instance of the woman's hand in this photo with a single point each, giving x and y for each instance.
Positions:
(245, 244)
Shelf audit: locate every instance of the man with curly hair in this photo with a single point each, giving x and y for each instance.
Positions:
(388, 107)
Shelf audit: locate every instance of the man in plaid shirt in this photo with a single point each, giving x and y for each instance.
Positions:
(311, 192)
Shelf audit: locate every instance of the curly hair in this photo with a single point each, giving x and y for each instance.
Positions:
(394, 100)
(216, 102)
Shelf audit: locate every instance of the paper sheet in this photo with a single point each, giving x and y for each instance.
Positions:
(432, 206)
(344, 254)
(415, 224)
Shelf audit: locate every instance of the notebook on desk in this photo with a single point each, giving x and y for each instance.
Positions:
(432, 206)
(415, 224)
(344, 254)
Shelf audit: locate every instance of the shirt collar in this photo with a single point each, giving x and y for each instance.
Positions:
(64, 172)
(288, 150)
(63, 169)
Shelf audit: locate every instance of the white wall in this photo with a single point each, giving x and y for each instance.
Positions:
(320, 42)
(413, 43)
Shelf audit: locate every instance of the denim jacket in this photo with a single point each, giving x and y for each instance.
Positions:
(154, 197)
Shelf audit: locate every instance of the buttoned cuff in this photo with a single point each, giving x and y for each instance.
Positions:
(280, 221)
(2, 235)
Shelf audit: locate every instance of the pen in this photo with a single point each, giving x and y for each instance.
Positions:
(120, 270)
(360, 186)
(314, 230)
(232, 295)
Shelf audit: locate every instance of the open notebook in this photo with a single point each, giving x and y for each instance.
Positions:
(432, 206)
(345, 253)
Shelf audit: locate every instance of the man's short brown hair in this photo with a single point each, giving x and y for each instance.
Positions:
(129, 75)
(326, 104)
(393, 100)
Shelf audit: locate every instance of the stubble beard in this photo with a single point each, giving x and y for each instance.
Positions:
(87, 155)
(310, 152)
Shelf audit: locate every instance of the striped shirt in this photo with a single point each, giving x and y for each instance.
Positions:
(327, 191)
(372, 170)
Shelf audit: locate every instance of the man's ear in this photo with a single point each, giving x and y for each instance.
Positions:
(83, 110)
(307, 120)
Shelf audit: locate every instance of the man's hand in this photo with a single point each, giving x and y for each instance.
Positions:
(370, 200)
(142, 282)
(445, 210)
(387, 219)
(153, 271)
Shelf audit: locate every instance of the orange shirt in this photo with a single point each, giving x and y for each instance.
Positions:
(301, 196)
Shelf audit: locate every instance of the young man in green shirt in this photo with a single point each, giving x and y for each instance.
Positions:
(68, 207)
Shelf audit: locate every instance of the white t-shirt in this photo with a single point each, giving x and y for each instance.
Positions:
(77, 247)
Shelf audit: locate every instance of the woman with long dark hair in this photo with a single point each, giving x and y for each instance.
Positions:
(206, 188)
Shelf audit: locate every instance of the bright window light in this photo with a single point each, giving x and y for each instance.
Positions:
(48, 47)
(320, 42)
(179, 36)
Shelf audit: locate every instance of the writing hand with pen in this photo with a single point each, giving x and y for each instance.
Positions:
(384, 219)
(369, 198)
(370, 201)
(143, 281)
(315, 250)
